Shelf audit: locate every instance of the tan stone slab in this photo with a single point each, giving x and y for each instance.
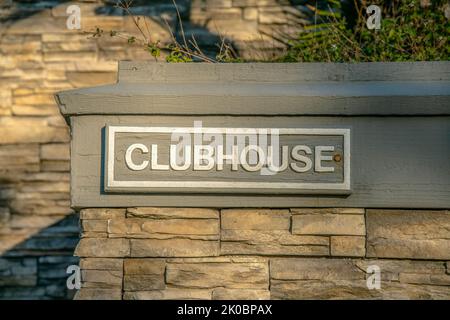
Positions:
(19, 158)
(46, 176)
(244, 259)
(277, 242)
(89, 79)
(177, 247)
(240, 294)
(101, 264)
(91, 225)
(45, 186)
(137, 227)
(35, 99)
(227, 275)
(255, 219)
(55, 151)
(143, 282)
(98, 294)
(355, 289)
(314, 269)
(103, 248)
(35, 222)
(55, 165)
(391, 269)
(169, 294)
(144, 266)
(42, 207)
(102, 213)
(30, 130)
(348, 246)
(301, 250)
(172, 213)
(94, 235)
(328, 224)
(102, 278)
(420, 278)
(414, 234)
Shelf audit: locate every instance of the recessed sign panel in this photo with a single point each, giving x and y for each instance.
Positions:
(145, 159)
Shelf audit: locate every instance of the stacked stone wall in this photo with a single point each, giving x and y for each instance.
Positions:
(307, 253)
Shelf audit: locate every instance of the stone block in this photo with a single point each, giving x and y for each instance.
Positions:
(55, 151)
(166, 228)
(348, 246)
(91, 225)
(391, 269)
(428, 279)
(30, 130)
(55, 166)
(276, 242)
(328, 224)
(240, 294)
(89, 79)
(144, 266)
(314, 269)
(103, 248)
(413, 234)
(35, 99)
(144, 274)
(102, 213)
(210, 275)
(250, 13)
(355, 289)
(19, 158)
(143, 282)
(98, 294)
(255, 219)
(38, 110)
(177, 247)
(101, 264)
(101, 278)
(172, 213)
(169, 294)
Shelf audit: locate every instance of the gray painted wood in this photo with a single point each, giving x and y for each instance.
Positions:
(419, 88)
(398, 162)
(142, 71)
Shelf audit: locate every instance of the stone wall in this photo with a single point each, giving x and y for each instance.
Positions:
(40, 56)
(176, 253)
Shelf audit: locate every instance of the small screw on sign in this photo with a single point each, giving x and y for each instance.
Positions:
(374, 20)
(337, 157)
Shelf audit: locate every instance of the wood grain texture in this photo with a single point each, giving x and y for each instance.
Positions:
(398, 162)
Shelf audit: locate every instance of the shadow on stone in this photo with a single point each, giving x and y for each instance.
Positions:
(36, 268)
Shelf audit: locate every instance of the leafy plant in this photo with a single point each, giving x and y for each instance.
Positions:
(409, 32)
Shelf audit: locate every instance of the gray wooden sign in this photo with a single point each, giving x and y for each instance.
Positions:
(263, 135)
(227, 160)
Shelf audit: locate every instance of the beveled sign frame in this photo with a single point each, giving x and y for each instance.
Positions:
(146, 186)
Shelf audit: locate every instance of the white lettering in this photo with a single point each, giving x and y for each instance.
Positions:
(128, 157)
(296, 155)
(319, 157)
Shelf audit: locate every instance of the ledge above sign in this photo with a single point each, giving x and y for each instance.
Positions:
(263, 135)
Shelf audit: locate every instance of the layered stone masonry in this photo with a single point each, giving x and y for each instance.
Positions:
(40, 56)
(193, 253)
